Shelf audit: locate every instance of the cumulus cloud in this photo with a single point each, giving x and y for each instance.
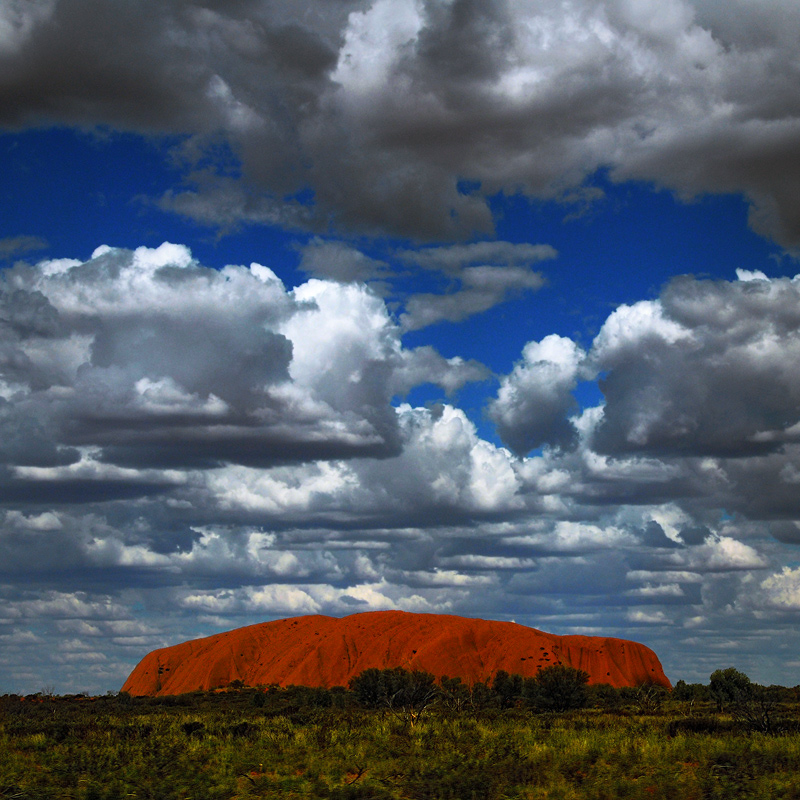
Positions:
(703, 370)
(147, 359)
(782, 589)
(404, 116)
(701, 400)
(534, 401)
(208, 448)
(444, 475)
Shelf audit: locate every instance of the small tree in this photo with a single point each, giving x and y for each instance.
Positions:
(398, 690)
(507, 688)
(481, 696)
(749, 703)
(453, 694)
(689, 691)
(559, 688)
(729, 687)
(369, 687)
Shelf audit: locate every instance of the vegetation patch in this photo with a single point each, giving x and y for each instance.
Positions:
(395, 735)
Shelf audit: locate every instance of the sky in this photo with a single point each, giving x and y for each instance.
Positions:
(477, 307)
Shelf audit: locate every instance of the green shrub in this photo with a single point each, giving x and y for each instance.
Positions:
(559, 688)
(708, 725)
(507, 689)
(729, 686)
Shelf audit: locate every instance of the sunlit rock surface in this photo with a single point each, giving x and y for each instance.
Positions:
(329, 651)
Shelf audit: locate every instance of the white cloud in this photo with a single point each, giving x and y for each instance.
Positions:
(701, 370)
(719, 554)
(657, 590)
(648, 617)
(443, 467)
(782, 589)
(48, 521)
(373, 43)
(534, 401)
(147, 358)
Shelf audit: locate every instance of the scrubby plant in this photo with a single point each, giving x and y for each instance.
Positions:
(729, 687)
(696, 692)
(397, 690)
(507, 689)
(559, 688)
(752, 705)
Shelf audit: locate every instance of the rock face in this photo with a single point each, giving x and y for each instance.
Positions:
(326, 651)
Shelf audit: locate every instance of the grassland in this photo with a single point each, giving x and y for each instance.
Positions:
(301, 743)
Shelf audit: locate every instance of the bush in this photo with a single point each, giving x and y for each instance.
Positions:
(712, 726)
(649, 698)
(507, 688)
(559, 688)
(752, 705)
(690, 691)
(729, 687)
(369, 687)
(603, 695)
(401, 691)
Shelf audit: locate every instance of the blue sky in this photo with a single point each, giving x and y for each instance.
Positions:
(473, 308)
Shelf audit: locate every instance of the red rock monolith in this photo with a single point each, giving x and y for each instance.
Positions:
(328, 651)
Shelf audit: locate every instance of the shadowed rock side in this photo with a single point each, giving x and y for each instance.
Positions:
(326, 651)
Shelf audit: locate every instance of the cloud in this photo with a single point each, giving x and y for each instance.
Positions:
(452, 259)
(533, 403)
(700, 401)
(484, 275)
(388, 110)
(482, 288)
(13, 246)
(202, 449)
(444, 475)
(703, 370)
(340, 262)
(480, 275)
(782, 590)
(148, 359)
(425, 365)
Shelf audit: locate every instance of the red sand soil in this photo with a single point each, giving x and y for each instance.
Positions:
(327, 651)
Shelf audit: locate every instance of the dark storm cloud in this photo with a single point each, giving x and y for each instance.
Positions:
(43, 491)
(653, 536)
(29, 438)
(402, 115)
(155, 67)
